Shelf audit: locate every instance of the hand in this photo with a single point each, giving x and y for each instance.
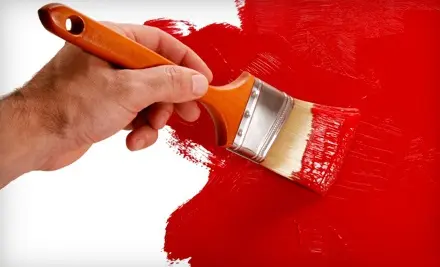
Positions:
(76, 99)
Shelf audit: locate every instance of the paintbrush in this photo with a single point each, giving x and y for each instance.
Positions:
(299, 140)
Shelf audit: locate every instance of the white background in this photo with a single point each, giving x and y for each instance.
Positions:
(109, 208)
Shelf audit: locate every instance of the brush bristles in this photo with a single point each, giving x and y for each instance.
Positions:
(286, 154)
(312, 144)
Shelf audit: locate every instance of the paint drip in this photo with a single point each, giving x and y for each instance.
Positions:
(383, 210)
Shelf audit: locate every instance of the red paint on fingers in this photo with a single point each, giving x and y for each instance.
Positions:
(383, 209)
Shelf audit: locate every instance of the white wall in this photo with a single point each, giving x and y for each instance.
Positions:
(109, 208)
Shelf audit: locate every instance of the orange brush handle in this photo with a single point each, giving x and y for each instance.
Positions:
(225, 104)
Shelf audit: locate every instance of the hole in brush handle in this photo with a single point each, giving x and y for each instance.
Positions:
(74, 24)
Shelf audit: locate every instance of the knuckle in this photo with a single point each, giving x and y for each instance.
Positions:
(175, 77)
(131, 89)
(122, 76)
(124, 81)
(124, 85)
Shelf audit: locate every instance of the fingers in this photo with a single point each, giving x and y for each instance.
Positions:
(159, 114)
(141, 138)
(142, 135)
(170, 84)
(164, 44)
(177, 84)
(147, 123)
(174, 86)
(188, 111)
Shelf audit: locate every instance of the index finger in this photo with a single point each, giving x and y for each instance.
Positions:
(165, 45)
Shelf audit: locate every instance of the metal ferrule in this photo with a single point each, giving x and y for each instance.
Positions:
(266, 112)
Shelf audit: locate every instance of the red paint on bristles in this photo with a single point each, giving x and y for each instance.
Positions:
(333, 132)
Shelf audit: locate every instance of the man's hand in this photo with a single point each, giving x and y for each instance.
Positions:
(76, 100)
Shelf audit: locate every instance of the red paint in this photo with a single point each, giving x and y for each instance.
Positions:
(333, 132)
(384, 207)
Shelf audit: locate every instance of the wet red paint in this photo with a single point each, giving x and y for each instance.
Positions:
(327, 145)
(384, 208)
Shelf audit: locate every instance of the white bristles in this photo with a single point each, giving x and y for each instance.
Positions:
(286, 154)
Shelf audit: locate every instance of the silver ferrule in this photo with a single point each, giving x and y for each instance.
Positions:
(266, 112)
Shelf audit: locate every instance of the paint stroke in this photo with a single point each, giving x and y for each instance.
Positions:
(332, 135)
(383, 210)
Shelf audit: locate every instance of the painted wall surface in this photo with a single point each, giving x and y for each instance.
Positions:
(379, 56)
(114, 207)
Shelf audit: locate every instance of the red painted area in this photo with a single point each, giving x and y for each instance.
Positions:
(327, 145)
(384, 208)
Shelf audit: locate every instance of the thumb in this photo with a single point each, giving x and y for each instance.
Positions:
(172, 84)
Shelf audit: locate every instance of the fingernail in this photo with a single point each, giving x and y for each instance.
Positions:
(139, 144)
(200, 85)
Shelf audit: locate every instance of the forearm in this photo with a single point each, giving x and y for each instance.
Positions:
(23, 142)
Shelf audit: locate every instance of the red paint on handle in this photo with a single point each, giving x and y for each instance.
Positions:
(384, 208)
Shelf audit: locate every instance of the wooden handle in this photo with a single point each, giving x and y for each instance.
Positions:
(225, 104)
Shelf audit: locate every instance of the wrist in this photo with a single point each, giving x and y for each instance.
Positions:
(24, 143)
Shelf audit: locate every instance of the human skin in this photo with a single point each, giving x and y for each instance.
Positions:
(77, 100)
